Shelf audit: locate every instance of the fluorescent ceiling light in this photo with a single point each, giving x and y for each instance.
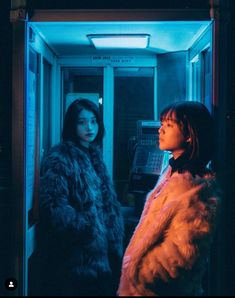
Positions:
(114, 41)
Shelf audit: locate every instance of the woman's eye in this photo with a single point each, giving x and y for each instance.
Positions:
(166, 124)
(81, 122)
(93, 121)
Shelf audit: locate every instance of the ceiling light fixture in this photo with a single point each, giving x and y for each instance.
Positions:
(118, 41)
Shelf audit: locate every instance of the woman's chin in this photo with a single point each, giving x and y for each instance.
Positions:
(89, 139)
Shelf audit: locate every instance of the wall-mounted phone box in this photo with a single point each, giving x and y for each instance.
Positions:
(148, 159)
(147, 132)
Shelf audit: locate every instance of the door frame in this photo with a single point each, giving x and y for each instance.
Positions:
(18, 147)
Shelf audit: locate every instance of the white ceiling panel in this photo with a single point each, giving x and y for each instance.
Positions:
(70, 38)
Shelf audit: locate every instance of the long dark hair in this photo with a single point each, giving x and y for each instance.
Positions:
(71, 119)
(196, 123)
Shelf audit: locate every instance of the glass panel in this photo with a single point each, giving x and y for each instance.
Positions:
(206, 78)
(196, 79)
(133, 101)
(32, 139)
(46, 125)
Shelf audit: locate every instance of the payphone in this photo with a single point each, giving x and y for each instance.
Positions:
(148, 161)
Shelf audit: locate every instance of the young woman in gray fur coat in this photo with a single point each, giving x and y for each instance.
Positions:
(80, 223)
(167, 254)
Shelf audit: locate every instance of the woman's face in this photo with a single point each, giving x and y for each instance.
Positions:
(87, 127)
(171, 137)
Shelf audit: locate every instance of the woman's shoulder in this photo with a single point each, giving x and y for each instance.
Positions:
(188, 178)
(195, 188)
(58, 150)
(57, 156)
(181, 180)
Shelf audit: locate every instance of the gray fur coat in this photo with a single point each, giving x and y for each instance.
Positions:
(80, 226)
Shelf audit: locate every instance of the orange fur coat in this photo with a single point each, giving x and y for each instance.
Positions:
(168, 251)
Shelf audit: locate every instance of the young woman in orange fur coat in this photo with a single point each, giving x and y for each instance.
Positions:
(168, 252)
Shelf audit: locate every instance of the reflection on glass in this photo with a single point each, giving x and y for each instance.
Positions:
(133, 100)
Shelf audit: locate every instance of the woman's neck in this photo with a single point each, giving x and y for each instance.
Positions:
(84, 144)
(185, 163)
(178, 153)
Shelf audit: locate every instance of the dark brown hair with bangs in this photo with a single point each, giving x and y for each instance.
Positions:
(71, 118)
(196, 123)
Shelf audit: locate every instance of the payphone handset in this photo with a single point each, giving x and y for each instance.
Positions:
(149, 159)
